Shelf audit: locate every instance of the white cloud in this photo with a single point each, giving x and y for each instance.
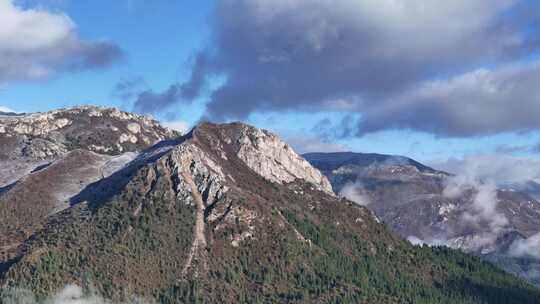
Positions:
(31, 30)
(36, 44)
(482, 213)
(353, 192)
(415, 240)
(480, 176)
(7, 110)
(502, 169)
(526, 248)
(70, 294)
(179, 125)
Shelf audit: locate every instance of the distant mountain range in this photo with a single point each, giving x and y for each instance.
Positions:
(415, 201)
(124, 208)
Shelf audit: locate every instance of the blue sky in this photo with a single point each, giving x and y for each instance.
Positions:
(317, 76)
(142, 30)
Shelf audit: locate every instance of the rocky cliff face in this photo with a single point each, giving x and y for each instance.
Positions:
(416, 202)
(225, 214)
(270, 157)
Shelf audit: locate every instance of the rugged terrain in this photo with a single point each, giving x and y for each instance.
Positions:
(28, 141)
(418, 203)
(225, 214)
(47, 158)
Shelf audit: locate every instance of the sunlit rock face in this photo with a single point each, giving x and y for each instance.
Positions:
(270, 157)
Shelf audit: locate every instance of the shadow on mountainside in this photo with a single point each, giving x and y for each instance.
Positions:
(100, 192)
(7, 188)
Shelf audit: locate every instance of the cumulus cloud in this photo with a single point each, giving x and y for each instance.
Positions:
(376, 59)
(481, 102)
(36, 44)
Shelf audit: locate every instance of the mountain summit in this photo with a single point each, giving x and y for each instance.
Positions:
(224, 214)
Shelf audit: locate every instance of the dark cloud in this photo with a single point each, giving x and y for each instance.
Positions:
(328, 130)
(482, 102)
(99, 54)
(152, 102)
(376, 60)
(127, 89)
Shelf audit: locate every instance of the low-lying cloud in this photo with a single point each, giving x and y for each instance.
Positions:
(482, 213)
(354, 193)
(177, 125)
(70, 294)
(481, 176)
(481, 102)
(529, 247)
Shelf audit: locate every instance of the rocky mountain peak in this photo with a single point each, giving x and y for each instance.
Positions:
(31, 140)
(262, 151)
(102, 130)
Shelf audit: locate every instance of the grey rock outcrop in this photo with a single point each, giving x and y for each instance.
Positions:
(269, 156)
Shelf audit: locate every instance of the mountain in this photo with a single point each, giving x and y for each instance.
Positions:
(28, 141)
(46, 158)
(417, 202)
(224, 214)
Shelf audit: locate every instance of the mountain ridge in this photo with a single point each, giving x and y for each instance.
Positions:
(420, 208)
(268, 230)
